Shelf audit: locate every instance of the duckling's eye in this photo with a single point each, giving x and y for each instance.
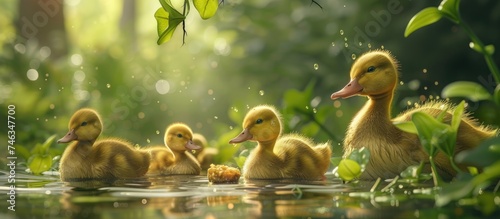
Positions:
(370, 69)
(259, 121)
(179, 135)
(83, 124)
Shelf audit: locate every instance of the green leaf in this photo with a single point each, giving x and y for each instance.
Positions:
(348, 169)
(470, 90)
(407, 126)
(496, 95)
(48, 142)
(167, 19)
(457, 116)
(450, 9)
(423, 18)
(431, 132)
(39, 163)
(490, 49)
(206, 8)
(483, 155)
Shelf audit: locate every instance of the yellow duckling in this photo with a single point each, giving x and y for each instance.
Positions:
(87, 159)
(375, 75)
(174, 159)
(205, 155)
(279, 156)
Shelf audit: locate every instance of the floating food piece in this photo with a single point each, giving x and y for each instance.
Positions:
(223, 174)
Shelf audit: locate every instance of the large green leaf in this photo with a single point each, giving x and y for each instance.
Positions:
(206, 8)
(167, 19)
(470, 90)
(39, 163)
(431, 132)
(450, 9)
(483, 155)
(423, 18)
(407, 126)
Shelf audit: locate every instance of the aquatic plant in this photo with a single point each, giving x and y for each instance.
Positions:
(449, 9)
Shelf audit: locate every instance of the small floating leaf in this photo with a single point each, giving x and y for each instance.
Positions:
(348, 169)
(206, 8)
(471, 90)
(423, 18)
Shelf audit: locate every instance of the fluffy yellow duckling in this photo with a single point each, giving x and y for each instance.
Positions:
(87, 159)
(205, 155)
(279, 156)
(174, 159)
(375, 75)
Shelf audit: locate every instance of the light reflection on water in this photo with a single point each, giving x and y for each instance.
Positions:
(195, 197)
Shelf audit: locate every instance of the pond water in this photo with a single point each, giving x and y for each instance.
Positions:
(194, 197)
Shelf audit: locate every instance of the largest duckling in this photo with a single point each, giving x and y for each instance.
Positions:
(280, 156)
(375, 75)
(87, 158)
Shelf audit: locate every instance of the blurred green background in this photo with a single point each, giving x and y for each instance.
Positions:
(58, 57)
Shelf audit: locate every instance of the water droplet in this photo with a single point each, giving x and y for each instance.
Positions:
(333, 43)
(230, 127)
(141, 115)
(345, 39)
(424, 70)
(261, 92)
(162, 86)
(369, 45)
(52, 106)
(157, 132)
(215, 117)
(307, 107)
(76, 59)
(401, 83)
(248, 88)
(436, 83)
(382, 47)
(360, 44)
(213, 98)
(339, 113)
(32, 74)
(425, 88)
(341, 32)
(346, 45)
(210, 92)
(108, 85)
(148, 141)
(316, 66)
(337, 104)
(315, 110)
(235, 109)
(353, 56)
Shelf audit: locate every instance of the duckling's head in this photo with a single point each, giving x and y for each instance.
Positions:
(179, 137)
(262, 123)
(373, 74)
(84, 125)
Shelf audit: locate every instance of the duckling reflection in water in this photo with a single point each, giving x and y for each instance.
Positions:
(87, 158)
(280, 156)
(173, 158)
(375, 75)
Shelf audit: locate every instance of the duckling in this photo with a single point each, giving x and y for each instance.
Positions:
(173, 159)
(278, 156)
(87, 158)
(205, 155)
(375, 75)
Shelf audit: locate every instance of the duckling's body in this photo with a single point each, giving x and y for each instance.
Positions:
(109, 158)
(280, 157)
(392, 150)
(173, 158)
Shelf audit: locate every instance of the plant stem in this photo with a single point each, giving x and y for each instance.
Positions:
(435, 175)
(477, 42)
(454, 165)
(323, 127)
